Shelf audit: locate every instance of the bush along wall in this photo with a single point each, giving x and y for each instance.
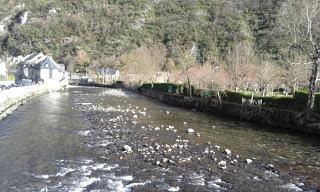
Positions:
(163, 87)
(296, 102)
(301, 98)
(285, 102)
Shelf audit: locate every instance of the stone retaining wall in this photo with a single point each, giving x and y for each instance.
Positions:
(270, 116)
(10, 99)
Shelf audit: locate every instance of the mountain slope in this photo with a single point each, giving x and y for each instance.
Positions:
(106, 29)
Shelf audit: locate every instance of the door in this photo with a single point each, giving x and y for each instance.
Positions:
(50, 73)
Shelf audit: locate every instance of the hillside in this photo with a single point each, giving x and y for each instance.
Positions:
(112, 32)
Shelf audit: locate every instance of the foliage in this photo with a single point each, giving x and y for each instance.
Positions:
(301, 100)
(163, 87)
(285, 102)
(105, 28)
(10, 77)
(296, 102)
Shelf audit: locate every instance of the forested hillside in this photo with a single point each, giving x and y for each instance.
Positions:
(229, 34)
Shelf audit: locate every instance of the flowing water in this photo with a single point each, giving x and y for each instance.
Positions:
(48, 145)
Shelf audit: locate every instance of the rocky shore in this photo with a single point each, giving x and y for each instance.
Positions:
(12, 98)
(150, 150)
(290, 120)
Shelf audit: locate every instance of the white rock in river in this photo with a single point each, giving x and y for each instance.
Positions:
(165, 160)
(270, 166)
(291, 187)
(127, 148)
(190, 130)
(228, 152)
(222, 164)
(249, 161)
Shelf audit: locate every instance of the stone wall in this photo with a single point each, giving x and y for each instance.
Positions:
(10, 99)
(275, 117)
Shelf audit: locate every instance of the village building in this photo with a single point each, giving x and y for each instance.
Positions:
(3, 69)
(108, 74)
(38, 67)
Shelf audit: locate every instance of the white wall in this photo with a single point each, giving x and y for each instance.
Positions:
(3, 69)
(56, 75)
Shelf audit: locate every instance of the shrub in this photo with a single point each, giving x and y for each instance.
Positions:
(163, 87)
(234, 97)
(297, 102)
(301, 98)
(269, 101)
(186, 90)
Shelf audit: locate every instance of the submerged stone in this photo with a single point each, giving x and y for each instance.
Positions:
(127, 149)
(190, 130)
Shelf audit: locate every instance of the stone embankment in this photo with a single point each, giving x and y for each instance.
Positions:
(10, 99)
(258, 114)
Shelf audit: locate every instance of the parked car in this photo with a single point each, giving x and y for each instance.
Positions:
(24, 82)
(2, 87)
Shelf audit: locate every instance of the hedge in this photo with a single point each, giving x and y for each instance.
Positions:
(297, 102)
(163, 87)
(177, 88)
(269, 101)
(301, 98)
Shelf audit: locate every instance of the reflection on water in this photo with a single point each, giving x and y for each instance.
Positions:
(42, 142)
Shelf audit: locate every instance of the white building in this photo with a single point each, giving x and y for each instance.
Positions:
(3, 69)
(50, 70)
(109, 75)
(40, 68)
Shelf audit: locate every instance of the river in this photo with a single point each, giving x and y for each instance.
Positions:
(73, 140)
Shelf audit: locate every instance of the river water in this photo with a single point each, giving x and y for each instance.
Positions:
(52, 144)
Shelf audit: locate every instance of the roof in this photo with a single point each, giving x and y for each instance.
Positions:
(108, 71)
(33, 59)
(41, 61)
(49, 63)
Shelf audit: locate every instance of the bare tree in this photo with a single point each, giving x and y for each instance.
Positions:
(311, 11)
(187, 61)
(143, 64)
(240, 65)
(315, 58)
(302, 16)
(296, 75)
(266, 75)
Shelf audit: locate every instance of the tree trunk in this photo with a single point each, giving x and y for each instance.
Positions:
(312, 88)
(189, 85)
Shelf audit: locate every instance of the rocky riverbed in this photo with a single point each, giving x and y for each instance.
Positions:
(97, 139)
(164, 157)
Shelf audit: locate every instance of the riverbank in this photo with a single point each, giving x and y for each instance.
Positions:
(12, 98)
(286, 119)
